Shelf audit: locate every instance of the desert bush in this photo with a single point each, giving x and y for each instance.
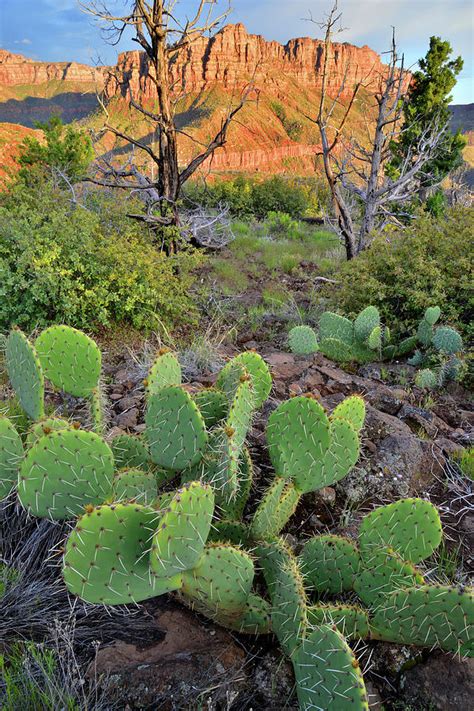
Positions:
(87, 266)
(250, 198)
(406, 270)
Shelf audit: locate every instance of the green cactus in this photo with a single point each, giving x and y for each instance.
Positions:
(97, 410)
(297, 438)
(426, 379)
(275, 509)
(425, 332)
(302, 340)
(341, 456)
(374, 341)
(136, 485)
(337, 350)
(352, 409)
(432, 315)
(179, 540)
(241, 411)
(330, 563)
(70, 359)
(447, 340)
(285, 585)
(219, 584)
(351, 621)
(233, 507)
(106, 558)
(366, 322)
(131, 452)
(45, 426)
(411, 527)
(428, 616)
(63, 471)
(25, 373)
(333, 326)
(327, 673)
(11, 454)
(381, 572)
(164, 371)
(233, 532)
(253, 364)
(213, 406)
(407, 345)
(175, 429)
(255, 617)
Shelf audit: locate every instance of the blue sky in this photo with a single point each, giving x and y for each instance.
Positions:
(57, 30)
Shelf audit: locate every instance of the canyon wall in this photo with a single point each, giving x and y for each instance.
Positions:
(16, 70)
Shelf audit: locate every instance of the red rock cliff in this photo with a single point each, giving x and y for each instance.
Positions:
(233, 57)
(16, 69)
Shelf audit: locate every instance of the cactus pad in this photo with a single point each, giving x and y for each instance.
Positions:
(70, 359)
(302, 340)
(175, 429)
(337, 350)
(425, 333)
(330, 563)
(136, 485)
(351, 621)
(374, 341)
(426, 379)
(338, 327)
(432, 314)
(447, 341)
(240, 413)
(328, 677)
(25, 373)
(411, 527)
(220, 583)
(11, 454)
(106, 557)
(213, 405)
(298, 438)
(341, 456)
(277, 506)
(428, 616)
(365, 323)
(181, 535)
(233, 508)
(229, 532)
(63, 472)
(164, 371)
(352, 409)
(382, 573)
(130, 452)
(49, 424)
(255, 618)
(253, 364)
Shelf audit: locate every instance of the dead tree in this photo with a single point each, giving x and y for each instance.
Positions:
(364, 197)
(162, 36)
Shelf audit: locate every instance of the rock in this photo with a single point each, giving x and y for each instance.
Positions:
(128, 419)
(114, 432)
(375, 700)
(442, 683)
(127, 403)
(191, 659)
(427, 420)
(408, 462)
(273, 681)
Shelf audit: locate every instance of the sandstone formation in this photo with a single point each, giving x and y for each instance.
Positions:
(15, 69)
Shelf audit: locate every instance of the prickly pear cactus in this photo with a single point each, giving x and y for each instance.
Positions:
(327, 673)
(426, 379)
(340, 458)
(70, 359)
(178, 543)
(411, 527)
(255, 617)
(241, 412)
(253, 364)
(130, 452)
(25, 373)
(447, 341)
(220, 583)
(164, 371)
(64, 471)
(298, 437)
(383, 571)
(351, 621)
(175, 429)
(365, 323)
(233, 508)
(428, 616)
(106, 558)
(274, 511)
(330, 563)
(302, 340)
(213, 406)
(336, 327)
(135, 485)
(11, 454)
(45, 426)
(337, 350)
(352, 409)
(432, 315)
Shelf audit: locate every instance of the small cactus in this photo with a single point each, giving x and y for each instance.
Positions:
(11, 454)
(302, 340)
(25, 373)
(164, 371)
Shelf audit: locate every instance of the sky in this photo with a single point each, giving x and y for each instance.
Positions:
(57, 30)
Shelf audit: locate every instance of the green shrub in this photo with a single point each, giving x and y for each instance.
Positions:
(250, 198)
(405, 271)
(85, 266)
(280, 224)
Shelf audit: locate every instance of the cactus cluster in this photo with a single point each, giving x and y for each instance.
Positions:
(138, 533)
(361, 340)
(440, 361)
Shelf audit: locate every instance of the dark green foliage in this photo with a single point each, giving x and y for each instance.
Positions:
(65, 149)
(85, 267)
(405, 271)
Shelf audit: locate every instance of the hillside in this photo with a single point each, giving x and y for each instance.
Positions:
(271, 134)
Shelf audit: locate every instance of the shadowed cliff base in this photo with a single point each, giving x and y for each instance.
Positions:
(71, 106)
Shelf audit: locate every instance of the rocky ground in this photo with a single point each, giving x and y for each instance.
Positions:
(407, 442)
